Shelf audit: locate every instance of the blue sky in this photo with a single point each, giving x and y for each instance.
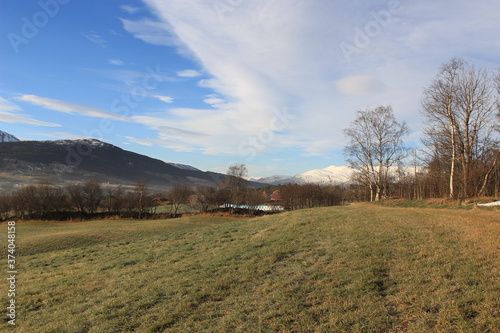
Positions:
(209, 83)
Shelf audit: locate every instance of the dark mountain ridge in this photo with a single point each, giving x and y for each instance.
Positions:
(68, 161)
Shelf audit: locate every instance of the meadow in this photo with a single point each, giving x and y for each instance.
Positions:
(358, 268)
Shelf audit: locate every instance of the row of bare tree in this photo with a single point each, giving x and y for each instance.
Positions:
(47, 201)
(291, 196)
(295, 196)
(460, 157)
(233, 193)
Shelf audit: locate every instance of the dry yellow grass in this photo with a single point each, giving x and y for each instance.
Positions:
(362, 268)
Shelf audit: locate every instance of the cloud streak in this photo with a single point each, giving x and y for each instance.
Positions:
(95, 38)
(116, 62)
(70, 107)
(188, 73)
(9, 113)
(164, 99)
(149, 31)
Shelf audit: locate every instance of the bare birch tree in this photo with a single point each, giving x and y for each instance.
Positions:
(496, 149)
(497, 85)
(235, 183)
(438, 108)
(458, 107)
(375, 144)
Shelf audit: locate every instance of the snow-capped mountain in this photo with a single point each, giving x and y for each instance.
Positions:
(90, 143)
(332, 175)
(6, 137)
(183, 166)
(273, 180)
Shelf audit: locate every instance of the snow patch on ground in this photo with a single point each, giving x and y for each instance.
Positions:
(490, 204)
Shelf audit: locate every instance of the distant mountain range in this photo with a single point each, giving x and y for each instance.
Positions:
(65, 162)
(6, 137)
(333, 175)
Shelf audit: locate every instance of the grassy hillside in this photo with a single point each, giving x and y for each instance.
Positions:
(344, 269)
(440, 203)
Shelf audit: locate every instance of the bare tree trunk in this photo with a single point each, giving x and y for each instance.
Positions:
(488, 174)
(451, 120)
(453, 158)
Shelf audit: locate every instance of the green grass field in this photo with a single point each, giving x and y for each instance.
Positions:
(361, 268)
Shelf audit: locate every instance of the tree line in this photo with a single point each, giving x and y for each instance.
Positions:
(91, 199)
(290, 196)
(86, 200)
(460, 153)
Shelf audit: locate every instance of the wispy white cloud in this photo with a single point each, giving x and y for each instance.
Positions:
(184, 135)
(70, 107)
(164, 99)
(149, 31)
(116, 62)
(162, 142)
(214, 100)
(65, 136)
(11, 118)
(188, 73)
(166, 127)
(264, 55)
(132, 78)
(95, 38)
(131, 9)
(359, 85)
(6, 105)
(9, 113)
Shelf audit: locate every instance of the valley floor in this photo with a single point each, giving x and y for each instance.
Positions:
(360, 268)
